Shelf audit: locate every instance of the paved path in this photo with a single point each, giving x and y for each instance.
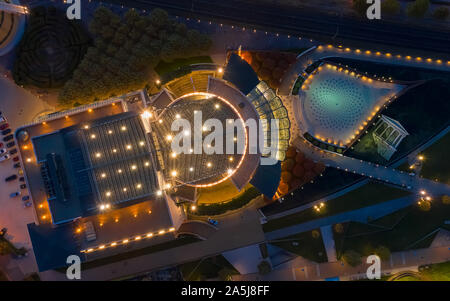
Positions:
(323, 52)
(359, 215)
(328, 242)
(371, 170)
(300, 269)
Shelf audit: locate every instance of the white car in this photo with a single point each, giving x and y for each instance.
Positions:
(3, 151)
(4, 158)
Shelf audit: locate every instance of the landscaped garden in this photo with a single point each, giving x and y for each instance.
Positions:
(307, 244)
(126, 50)
(422, 111)
(223, 207)
(408, 228)
(50, 50)
(436, 165)
(366, 195)
(164, 67)
(213, 267)
(220, 193)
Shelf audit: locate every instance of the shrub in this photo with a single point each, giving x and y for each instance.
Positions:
(446, 200)
(338, 228)
(264, 268)
(298, 171)
(383, 252)
(287, 164)
(315, 234)
(441, 13)
(286, 176)
(425, 205)
(390, 7)
(352, 258)
(418, 8)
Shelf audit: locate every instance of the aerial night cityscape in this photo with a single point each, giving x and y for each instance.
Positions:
(266, 143)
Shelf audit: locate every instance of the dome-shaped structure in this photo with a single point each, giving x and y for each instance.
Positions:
(23, 136)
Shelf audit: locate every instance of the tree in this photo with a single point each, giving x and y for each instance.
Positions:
(418, 8)
(226, 273)
(383, 252)
(352, 258)
(338, 228)
(390, 7)
(441, 13)
(360, 7)
(315, 234)
(425, 205)
(264, 267)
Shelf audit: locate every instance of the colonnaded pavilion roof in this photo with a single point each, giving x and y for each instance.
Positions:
(337, 103)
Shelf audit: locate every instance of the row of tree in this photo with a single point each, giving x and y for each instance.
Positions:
(125, 51)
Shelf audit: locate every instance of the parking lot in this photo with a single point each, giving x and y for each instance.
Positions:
(18, 107)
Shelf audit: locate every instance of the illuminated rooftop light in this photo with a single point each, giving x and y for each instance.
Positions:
(191, 169)
(147, 114)
(139, 186)
(169, 137)
(168, 186)
(108, 193)
(119, 170)
(178, 116)
(161, 232)
(114, 150)
(160, 121)
(93, 136)
(125, 241)
(209, 164)
(149, 235)
(174, 173)
(124, 189)
(129, 146)
(220, 70)
(133, 167)
(110, 132)
(124, 128)
(141, 143)
(103, 175)
(147, 163)
(173, 155)
(98, 155)
(187, 133)
(159, 193)
(137, 238)
(217, 106)
(86, 127)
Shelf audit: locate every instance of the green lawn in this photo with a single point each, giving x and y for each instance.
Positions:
(205, 269)
(436, 164)
(367, 195)
(437, 272)
(308, 247)
(166, 67)
(135, 253)
(407, 232)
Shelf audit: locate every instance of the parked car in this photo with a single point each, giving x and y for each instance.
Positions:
(4, 158)
(16, 159)
(27, 204)
(4, 126)
(13, 151)
(11, 144)
(15, 194)
(23, 186)
(6, 132)
(17, 165)
(11, 178)
(2, 119)
(3, 151)
(25, 198)
(7, 138)
(213, 222)
(22, 179)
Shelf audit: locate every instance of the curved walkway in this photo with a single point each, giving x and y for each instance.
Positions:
(322, 52)
(197, 228)
(371, 170)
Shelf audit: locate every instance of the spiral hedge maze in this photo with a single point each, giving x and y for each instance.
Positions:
(51, 49)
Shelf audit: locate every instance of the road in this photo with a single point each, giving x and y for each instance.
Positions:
(300, 269)
(326, 27)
